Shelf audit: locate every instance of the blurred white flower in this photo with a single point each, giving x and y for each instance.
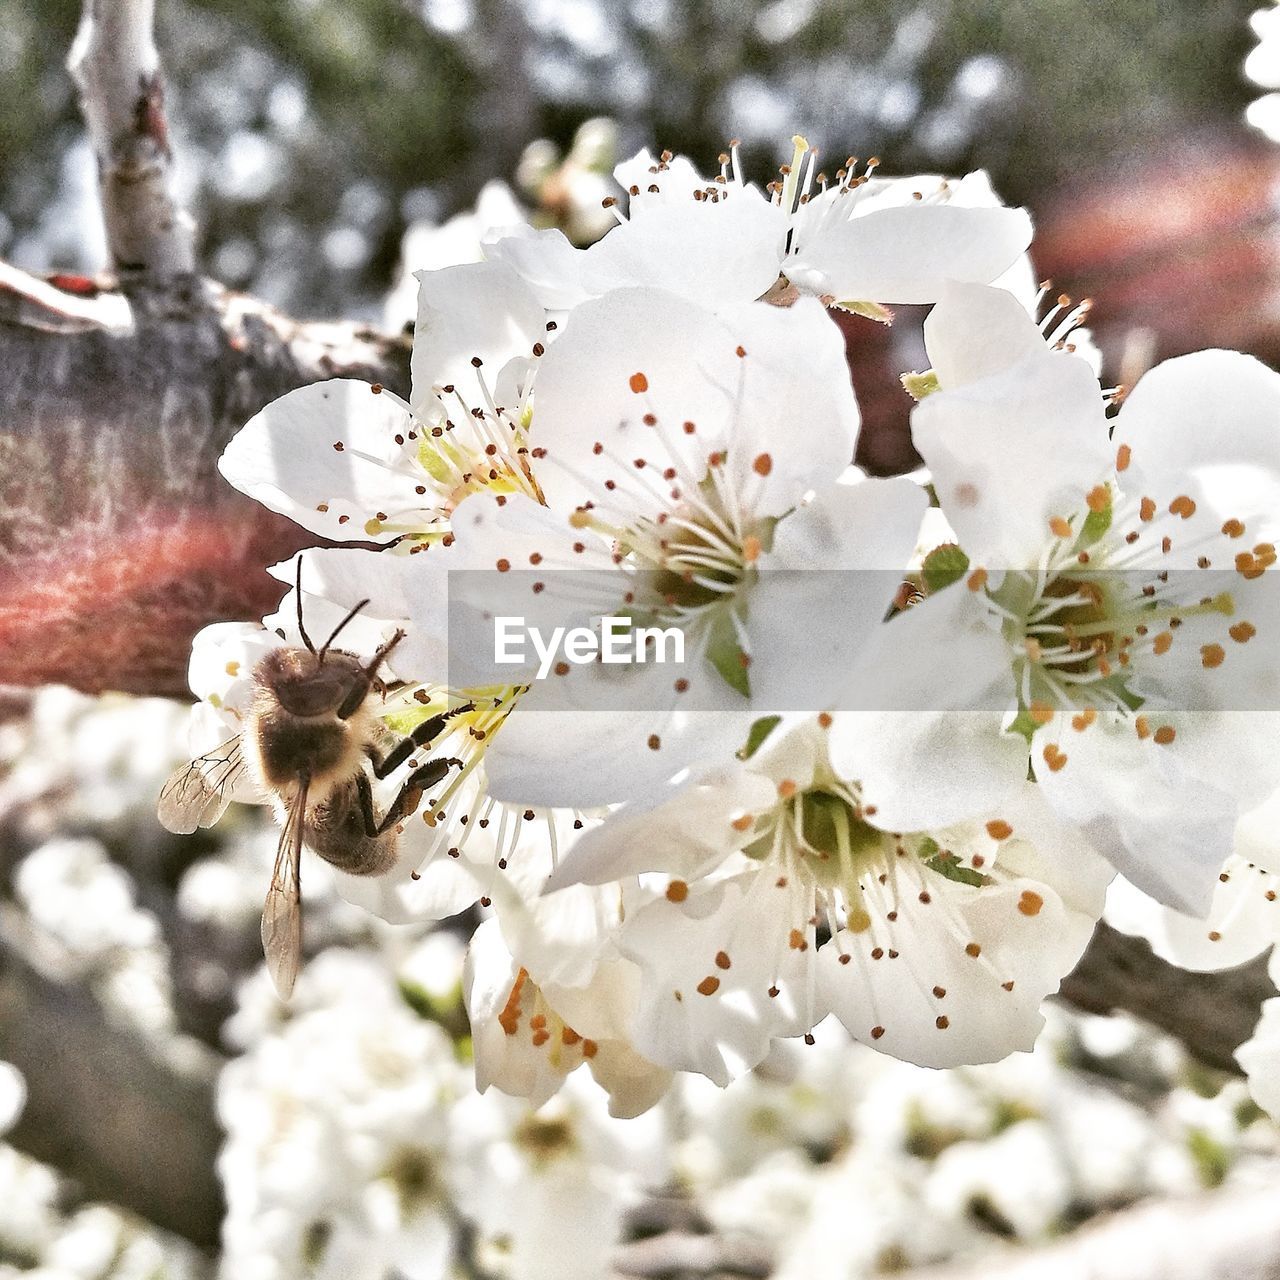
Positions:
(428, 247)
(548, 1188)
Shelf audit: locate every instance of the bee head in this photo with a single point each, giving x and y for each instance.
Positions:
(309, 684)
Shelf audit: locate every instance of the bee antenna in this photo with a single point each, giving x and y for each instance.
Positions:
(302, 631)
(324, 648)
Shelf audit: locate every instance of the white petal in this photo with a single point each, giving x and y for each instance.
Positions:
(607, 734)
(1260, 1058)
(1258, 835)
(699, 1014)
(906, 254)
(285, 457)
(633, 1083)
(545, 261)
(1243, 920)
(442, 887)
(480, 310)
(837, 563)
(976, 331)
(685, 832)
(562, 936)
(721, 253)
(510, 1062)
(512, 558)
(641, 353)
(930, 749)
(1011, 452)
(1212, 413)
(1161, 826)
(959, 972)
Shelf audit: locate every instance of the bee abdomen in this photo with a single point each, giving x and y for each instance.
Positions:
(335, 831)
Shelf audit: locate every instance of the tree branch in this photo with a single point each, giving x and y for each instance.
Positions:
(118, 537)
(101, 1107)
(1211, 1013)
(116, 67)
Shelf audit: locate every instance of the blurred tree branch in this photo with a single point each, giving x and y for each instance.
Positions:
(102, 1107)
(1211, 1013)
(116, 67)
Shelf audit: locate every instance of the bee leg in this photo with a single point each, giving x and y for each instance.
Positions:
(425, 733)
(364, 793)
(410, 796)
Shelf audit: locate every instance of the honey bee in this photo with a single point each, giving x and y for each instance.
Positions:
(309, 738)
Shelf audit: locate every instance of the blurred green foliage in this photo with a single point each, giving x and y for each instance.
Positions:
(310, 132)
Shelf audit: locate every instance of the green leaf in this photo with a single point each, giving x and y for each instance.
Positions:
(944, 566)
(759, 732)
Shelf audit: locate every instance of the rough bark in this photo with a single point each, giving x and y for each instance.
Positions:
(118, 537)
(116, 67)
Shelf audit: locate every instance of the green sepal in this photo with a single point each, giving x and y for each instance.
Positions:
(944, 566)
(759, 732)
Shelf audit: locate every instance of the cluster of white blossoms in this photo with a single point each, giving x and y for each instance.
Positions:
(918, 723)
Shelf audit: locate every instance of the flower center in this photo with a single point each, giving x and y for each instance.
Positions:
(691, 564)
(1108, 596)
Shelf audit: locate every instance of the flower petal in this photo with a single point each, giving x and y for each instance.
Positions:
(478, 311)
(684, 832)
(327, 456)
(956, 972)
(906, 254)
(1212, 415)
(703, 1014)
(642, 382)
(837, 563)
(1243, 920)
(1162, 827)
(1012, 451)
(930, 748)
(977, 331)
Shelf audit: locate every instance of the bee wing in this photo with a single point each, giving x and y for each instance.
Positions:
(282, 914)
(198, 792)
